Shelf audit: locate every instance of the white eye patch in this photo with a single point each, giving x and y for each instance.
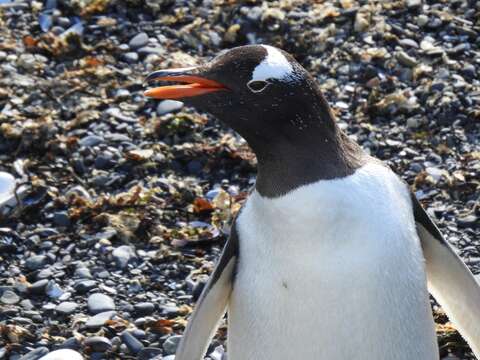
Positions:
(274, 66)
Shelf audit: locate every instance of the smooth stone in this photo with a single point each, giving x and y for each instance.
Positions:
(100, 319)
(62, 354)
(133, 344)
(83, 273)
(84, 286)
(138, 41)
(122, 255)
(91, 140)
(35, 354)
(36, 262)
(61, 218)
(9, 298)
(405, 59)
(130, 57)
(144, 308)
(171, 344)
(98, 343)
(71, 343)
(7, 186)
(98, 303)
(66, 308)
(38, 287)
(168, 106)
(148, 353)
(53, 290)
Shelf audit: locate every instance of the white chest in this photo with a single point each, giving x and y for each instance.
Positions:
(323, 263)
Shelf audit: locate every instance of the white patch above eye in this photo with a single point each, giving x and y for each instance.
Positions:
(274, 66)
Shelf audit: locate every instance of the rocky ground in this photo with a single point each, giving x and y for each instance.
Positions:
(125, 202)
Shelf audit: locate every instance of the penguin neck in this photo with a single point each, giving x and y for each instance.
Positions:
(317, 151)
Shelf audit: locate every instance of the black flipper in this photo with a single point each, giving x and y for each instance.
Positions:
(449, 280)
(211, 305)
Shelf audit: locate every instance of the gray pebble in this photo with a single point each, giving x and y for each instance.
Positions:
(168, 106)
(122, 255)
(133, 344)
(9, 298)
(35, 354)
(130, 57)
(84, 286)
(171, 344)
(36, 262)
(148, 353)
(138, 41)
(61, 218)
(99, 319)
(66, 308)
(62, 354)
(91, 140)
(98, 343)
(38, 287)
(98, 303)
(144, 308)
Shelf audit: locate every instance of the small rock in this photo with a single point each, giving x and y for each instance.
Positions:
(9, 298)
(62, 354)
(468, 221)
(53, 290)
(36, 262)
(122, 255)
(130, 57)
(84, 286)
(66, 308)
(405, 59)
(168, 106)
(98, 303)
(35, 354)
(91, 140)
(138, 41)
(413, 4)
(100, 319)
(61, 218)
(144, 308)
(98, 343)
(38, 287)
(171, 344)
(148, 353)
(422, 20)
(132, 343)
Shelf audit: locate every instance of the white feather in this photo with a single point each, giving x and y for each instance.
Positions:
(274, 66)
(332, 271)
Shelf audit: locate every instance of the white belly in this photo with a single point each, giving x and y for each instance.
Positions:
(331, 271)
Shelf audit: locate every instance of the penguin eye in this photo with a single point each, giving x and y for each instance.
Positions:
(257, 86)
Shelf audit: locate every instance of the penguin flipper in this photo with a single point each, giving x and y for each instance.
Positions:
(449, 280)
(212, 304)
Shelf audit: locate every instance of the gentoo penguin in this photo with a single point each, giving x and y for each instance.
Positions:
(331, 255)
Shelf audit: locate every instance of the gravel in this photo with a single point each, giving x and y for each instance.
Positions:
(126, 202)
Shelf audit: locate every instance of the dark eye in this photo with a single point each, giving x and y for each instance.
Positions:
(257, 85)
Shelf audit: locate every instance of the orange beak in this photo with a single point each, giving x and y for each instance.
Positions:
(190, 85)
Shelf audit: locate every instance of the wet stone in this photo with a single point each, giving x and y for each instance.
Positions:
(148, 353)
(61, 218)
(84, 286)
(38, 287)
(91, 140)
(144, 308)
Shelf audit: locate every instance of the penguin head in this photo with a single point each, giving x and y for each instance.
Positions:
(260, 91)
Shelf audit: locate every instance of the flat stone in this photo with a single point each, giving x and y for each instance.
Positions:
(66, 308)
(36, 262)
(171, 344)
(35, 354)
(9, 298)
(98, 303)
(38, 287)
(122, 255)
(98, 343)
(62, 354)
(168, 106)
(144, 308)
(405, 59)
(138, 41)
(148, 353)
(100, 319)
(84, 286)
(91, 140)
